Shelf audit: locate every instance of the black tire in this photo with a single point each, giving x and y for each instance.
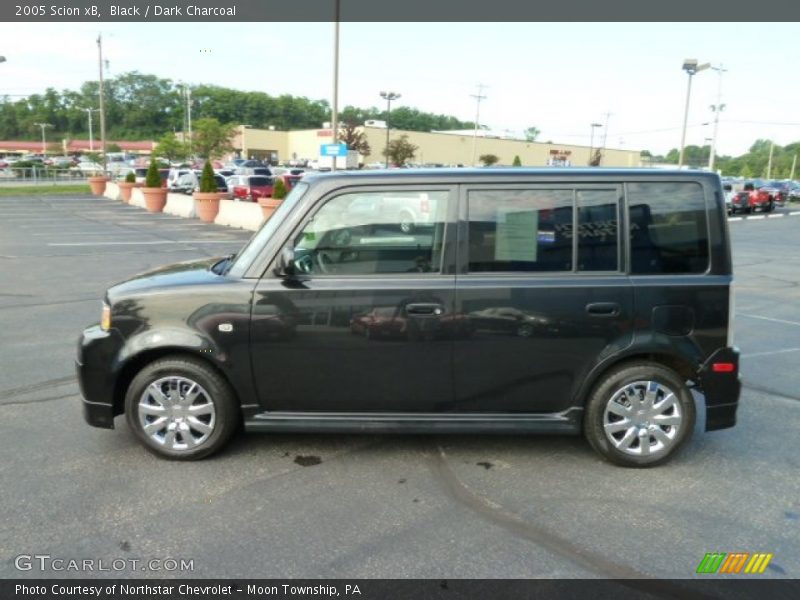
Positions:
(605, 390)
(226, 417)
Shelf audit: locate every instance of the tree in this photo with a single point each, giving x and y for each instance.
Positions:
(207, 182)
(488, 159)
(400, 150)
(517, 162)
(531, 133)
(171, 148)
(210, 138)
(279, 190)
(355, 139)
(153, 177)
(113, 148)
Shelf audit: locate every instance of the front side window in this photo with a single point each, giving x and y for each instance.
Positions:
(370, 233)
(520, 230)
(668, 228)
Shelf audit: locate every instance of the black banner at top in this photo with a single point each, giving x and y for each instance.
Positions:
(404, 11)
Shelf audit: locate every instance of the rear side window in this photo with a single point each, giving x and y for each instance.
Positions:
(668, 228)
(520, 230)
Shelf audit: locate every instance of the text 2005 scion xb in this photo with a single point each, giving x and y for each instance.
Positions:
(507, 301)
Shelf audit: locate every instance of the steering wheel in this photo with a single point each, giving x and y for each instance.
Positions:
(325, 262)
(304, 263)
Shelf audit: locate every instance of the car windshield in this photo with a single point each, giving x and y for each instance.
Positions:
(249, 253)
(261, 181)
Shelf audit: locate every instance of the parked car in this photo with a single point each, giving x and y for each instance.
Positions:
(289, 176)
(778, 191)
(185, 184)
(190, 351)
(174, 173)
(252, 187)
(794, 192)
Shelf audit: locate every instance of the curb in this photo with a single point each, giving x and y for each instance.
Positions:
(246, 215)
(793, 213)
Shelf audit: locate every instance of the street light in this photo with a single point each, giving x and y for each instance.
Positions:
(89, 112)
(691, 67)
(388, 96)
(591, 140)
(44, 126)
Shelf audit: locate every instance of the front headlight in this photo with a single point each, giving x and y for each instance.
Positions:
(105, 317)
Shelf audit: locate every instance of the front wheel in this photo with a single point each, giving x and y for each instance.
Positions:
(180, 408)
(639, 415)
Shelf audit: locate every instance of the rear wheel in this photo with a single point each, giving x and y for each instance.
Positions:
(180, 408)
(639, 415)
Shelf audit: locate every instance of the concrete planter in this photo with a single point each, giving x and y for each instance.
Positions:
(125, 190)
(98, 185)
(155, 199)
(268, 206)
(207, 205)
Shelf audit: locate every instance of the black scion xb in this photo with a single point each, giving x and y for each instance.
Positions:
(490, 300)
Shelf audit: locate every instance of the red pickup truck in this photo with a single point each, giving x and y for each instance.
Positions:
(750, 200)
(252, 187)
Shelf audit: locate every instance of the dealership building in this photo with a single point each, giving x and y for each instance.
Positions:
(435, 147)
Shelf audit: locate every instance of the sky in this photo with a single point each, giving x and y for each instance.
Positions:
(558, 77)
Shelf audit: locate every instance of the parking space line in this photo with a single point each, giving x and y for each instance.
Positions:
(735, 219)
(768, 319)
(770, 352)
(756, 218)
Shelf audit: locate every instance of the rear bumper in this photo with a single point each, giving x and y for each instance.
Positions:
(94, 363)
(721, 389)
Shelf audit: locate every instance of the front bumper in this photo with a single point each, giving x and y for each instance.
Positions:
(95, 361)
(721, 389)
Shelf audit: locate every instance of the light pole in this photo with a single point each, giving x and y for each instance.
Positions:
(591, 140)
(44, 126)
(691, 67)
(716, 108)
(388, 96)
(89, 112)
(335, 104)
(102, 101)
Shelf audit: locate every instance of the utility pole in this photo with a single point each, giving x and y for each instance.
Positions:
(478, 97)
(89, 112)
(189, 117)
(335, 107)
(593, 126)
(769, 163)
(102, 101)
(717, 108)
(44, 126)
(605, 133)
(794, 163)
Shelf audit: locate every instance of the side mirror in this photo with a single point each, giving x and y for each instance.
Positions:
(286, 265)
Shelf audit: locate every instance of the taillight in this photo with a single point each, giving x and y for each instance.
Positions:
(723, 367)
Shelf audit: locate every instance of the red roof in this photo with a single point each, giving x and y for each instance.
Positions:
(73, 145)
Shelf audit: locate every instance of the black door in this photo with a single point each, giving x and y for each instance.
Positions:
(367, 325)
(543, 304)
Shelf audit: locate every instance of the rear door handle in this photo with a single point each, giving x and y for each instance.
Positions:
(425, 309)
(603, 309)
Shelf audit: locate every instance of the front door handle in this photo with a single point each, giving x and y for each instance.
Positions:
(603, 309)
(425, 309)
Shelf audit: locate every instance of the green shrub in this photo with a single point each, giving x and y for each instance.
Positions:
(279, 190)
(131, 178)
(517, 162)
(207, 182)
(153, 179)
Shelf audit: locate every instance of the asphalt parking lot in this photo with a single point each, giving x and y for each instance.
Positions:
(370, 506)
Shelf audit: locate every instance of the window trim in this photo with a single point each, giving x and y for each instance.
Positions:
(462, 267)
